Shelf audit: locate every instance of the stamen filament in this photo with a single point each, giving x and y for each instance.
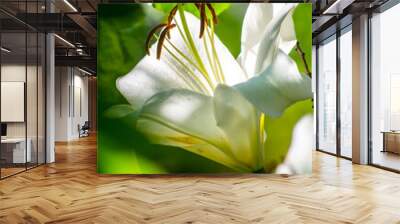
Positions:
(198, 81)
(188, 46)
(192, 83)
(193, 47)
(183, 55)
(216, 59)
(199, 84)
(182, 35)
(212, 65)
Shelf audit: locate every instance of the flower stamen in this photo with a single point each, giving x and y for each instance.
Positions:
(162, 38)
(151, 34)
(203, 16)
(213, 14)
(171, 17)
(203, 19)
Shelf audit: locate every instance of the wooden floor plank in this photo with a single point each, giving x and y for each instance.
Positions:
(70, 191)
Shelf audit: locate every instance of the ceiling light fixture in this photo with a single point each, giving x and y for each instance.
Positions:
(5, 50)
(337, 7)
(70, 5)
(84, 71)
(65, 41)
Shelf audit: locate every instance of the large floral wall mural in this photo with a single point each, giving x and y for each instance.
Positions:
(204, 88)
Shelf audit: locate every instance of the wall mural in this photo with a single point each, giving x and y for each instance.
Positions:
(204, 88)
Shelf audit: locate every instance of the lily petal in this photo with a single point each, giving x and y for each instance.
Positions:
(233, 113)
(149, 77)
(257, 17)
(178, 68)
(288, 33)
(185, 119)
(299, 158)
(269, 44)
(280, 133)
(269, 25)
(277, 87)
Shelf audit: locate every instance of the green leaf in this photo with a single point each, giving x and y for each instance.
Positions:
(118, 26)
(190, 7)
(164, 7)
(119, 111)
(229, 27)
(220, 7)
(302, 17)
(279, 133)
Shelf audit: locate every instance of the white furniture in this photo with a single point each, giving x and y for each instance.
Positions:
(18, 149)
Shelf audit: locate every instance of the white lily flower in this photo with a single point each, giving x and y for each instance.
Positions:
(298, 157)
(198, 97)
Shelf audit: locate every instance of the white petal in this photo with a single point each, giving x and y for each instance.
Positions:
(299, 157)
(151, 76)
(239, 120)
(256, 19)
(206, 125)
(232, 71)
(277, 87)
(186, 119)
(257, 16)
(267, 24)
(287, 46)
(269, 44)
(287, 34)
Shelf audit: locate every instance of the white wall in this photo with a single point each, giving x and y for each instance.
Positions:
(62, 82)
(80, 104)
(71, 102)
(33, 126)
(12, 73)
(9, 73)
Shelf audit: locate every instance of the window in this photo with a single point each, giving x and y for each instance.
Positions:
(385, 89)
(346, 75)
(22, 101)
(327, 96)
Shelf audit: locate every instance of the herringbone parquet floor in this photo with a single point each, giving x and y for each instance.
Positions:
(70, 191)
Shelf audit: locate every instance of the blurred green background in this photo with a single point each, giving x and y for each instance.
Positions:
(122, 32)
